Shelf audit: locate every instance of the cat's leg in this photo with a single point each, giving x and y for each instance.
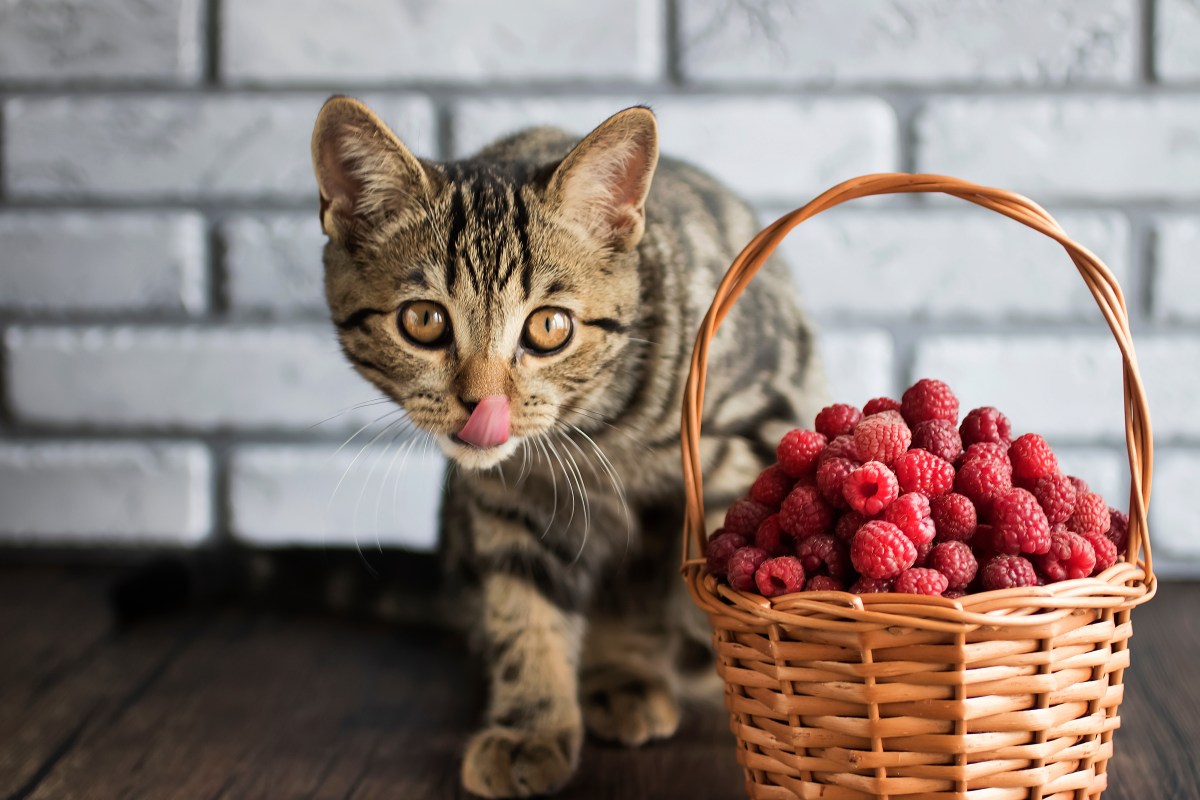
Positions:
(628, 686)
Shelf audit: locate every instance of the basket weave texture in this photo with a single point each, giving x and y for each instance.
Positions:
(1001, 695)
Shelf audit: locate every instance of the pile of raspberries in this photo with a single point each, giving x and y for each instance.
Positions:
(901, 497)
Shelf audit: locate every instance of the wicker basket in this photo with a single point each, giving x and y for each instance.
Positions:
(1000, 695)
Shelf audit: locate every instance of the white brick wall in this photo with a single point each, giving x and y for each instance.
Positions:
(160, 270)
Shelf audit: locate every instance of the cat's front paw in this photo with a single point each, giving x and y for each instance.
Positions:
(631, 711)
(506, 762)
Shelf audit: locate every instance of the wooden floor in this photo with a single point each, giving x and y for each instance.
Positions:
(233, 704)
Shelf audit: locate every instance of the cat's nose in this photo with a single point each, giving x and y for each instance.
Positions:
(469, 405)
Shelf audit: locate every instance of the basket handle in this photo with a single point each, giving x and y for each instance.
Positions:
(1097, 276)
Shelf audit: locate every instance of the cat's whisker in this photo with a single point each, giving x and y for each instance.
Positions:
(363, 449)
(642, 341)
(583, 494)
(348, 409)
(354, 435)
(363, 491)
(383, 483)
(408, 448)
(541, 443)
(617, 484)
(603, 420)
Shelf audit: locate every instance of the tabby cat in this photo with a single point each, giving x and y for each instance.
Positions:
(534, 308)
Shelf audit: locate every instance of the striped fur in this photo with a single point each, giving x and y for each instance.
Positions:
(565, 539)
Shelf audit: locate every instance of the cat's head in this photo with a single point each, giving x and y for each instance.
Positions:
(491, 298)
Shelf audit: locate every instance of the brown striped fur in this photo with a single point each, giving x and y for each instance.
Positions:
(566, 537)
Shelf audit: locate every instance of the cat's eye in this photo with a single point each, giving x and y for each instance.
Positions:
(547, 330)
(425, 323)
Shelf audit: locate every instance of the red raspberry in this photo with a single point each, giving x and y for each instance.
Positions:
(985, 424)
(910, 513)
(1008, 572)
(880, 404)
(771, 486)
(1056, 495)
(1105, 550)
(954, 594)
(1090, 514)
(1031, 457)
(865, 585)
(938, 437)
(956, 561)
(881, 550)
(1118, 529)
(923, 551)
(929, 399)
(720, 547)
(1020, 524)
(744, 516)
(984, 541)
(992, 450)
(824, 554)
(824, 583)
(983, 480)
(922, 471)
(837, 420)
(841, 447)
(771, 537)
(1081, 486)
(798, 450)
(870, 488)
(954, 517)
(742, 566)
(882, 437)
(1069, 556)
(921, 581)
(848, 525)
(805, 513)
(830, 476)
(777, 576)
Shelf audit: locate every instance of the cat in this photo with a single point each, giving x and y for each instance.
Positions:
(533, 308)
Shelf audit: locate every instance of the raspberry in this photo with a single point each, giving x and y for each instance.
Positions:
(1069, 556)
(1081, 486)
(798, 450)
(880, 404)
(771, 537)
(910, 513)
(720, 547)
(956, 561)
(865, 585)
(1105, 550)
(1008, 572)
(771, 486)
(824, 554)
(1090, 514)
(923, 551)
(1031, 457)
(984, 540)
(824, 583)
(1056, 495)
(938, 437)
(918, 580)
(805, 513)
(881, 550)
(837, 420)
(922, 471)
(841, 447)
(744, 516)
(1020, 524)
(777, 576)
(983, 480)
(848, 525)
(954, 517)
(991, 450)
(985, 424)
(1118, 529)
(830, 477)
(954, 594)
(882, 437)
(929, 399)
(870, 488)
(742, 566)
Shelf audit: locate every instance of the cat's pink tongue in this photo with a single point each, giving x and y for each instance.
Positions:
(488, 424)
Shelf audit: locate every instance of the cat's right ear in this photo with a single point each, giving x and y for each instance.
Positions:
(364, 172)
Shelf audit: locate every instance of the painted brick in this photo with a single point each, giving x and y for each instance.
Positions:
(947, 264)
(763, 147)
(311, 495)
(1173, 505)
(858, 364)
(102, 262)
(273, 263)
(1177, 40)
(458, 40)
(913, 42)
(1176, 292)
(104, 493)
(199, 378)
(114, 40)
(177, 146)
(1065, 146)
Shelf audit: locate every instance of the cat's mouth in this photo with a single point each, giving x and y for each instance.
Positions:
(472, 456)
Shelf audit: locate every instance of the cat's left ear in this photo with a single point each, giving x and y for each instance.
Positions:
(601, 185)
